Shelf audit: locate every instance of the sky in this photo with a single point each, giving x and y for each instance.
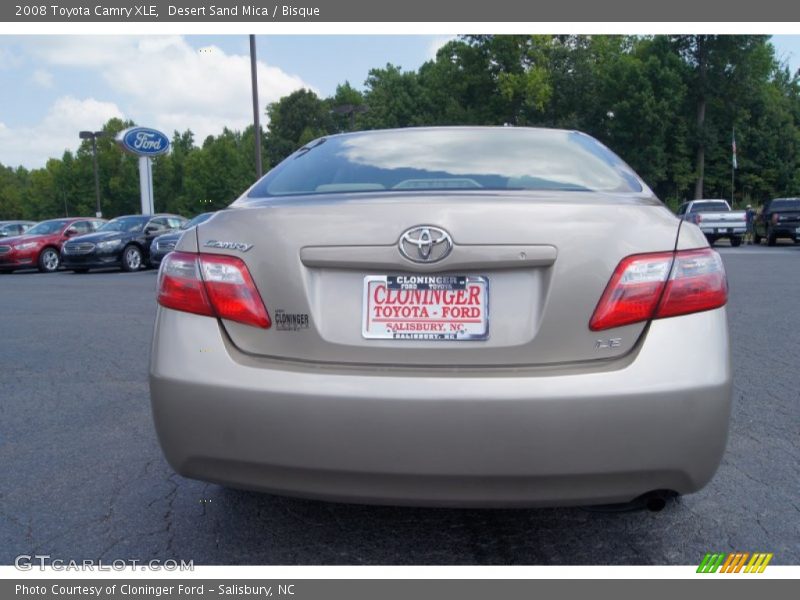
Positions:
(51, 87)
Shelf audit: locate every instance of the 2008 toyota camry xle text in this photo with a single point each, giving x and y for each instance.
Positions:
(445, 316)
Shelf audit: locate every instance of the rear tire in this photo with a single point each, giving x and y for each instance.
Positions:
(736, 241)
(131, 259)
(711, 240)
(771, 238)
(49, 260)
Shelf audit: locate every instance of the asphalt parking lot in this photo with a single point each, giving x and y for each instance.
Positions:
(83, 477)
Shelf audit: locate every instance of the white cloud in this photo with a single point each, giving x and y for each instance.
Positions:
(166, 83)
(8, 59)
(42, 78)
(437, 43)
(55, 133)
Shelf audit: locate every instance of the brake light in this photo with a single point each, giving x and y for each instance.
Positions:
(213, 285)
(664, 284)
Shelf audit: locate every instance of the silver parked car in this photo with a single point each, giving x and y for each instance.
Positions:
(445, 316)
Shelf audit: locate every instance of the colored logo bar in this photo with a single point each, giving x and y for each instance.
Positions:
(734, 562)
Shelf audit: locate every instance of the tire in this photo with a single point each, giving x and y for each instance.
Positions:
(49, 260)
(771, 238)
(736, 241)
(131, 258)
(711, 240)
(756, 238)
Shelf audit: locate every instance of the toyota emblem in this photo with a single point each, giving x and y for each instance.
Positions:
(425, 244)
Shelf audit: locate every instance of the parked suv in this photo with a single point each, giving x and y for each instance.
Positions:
(14, 228)
(40, 246)
(122, 242)
(779, 218)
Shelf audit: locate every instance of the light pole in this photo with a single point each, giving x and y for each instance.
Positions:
(256, 122)
(93, 135)
(351, 110)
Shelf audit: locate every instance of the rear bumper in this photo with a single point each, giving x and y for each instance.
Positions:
(657, 420)
(724, 231)
(785, 230)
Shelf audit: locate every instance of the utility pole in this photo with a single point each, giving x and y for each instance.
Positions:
(256, 120)
(350, 110)
(93, 135)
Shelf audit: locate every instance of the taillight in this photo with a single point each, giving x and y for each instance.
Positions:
(665, 284)
(214, 285)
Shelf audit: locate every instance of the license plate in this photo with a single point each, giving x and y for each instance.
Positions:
(426, 307)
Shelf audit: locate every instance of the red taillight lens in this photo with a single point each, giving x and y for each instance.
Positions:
(697, 282)
(666, 284)
(180, 285)
(213, 285)
(633, 292)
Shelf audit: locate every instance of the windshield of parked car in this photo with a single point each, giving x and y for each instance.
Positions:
(712, 206)
(127, 224)
(197, 220)
(786, 204)
(459, 158)
(48, 227)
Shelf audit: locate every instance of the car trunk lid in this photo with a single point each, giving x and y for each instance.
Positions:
(545, 257)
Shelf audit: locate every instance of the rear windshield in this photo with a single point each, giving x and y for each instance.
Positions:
(502, 158)
(786, 204)
(714, 206)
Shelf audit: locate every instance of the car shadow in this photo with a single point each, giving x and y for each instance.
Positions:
(256, 528)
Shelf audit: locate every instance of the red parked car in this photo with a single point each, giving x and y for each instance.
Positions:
(40, 246)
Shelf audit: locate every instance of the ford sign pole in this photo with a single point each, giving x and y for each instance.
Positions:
(146, 184)
(144, 143)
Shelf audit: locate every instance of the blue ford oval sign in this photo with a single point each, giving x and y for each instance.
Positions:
(143, 141)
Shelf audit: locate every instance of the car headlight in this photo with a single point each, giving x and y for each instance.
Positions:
(109, 245)
(25, 246)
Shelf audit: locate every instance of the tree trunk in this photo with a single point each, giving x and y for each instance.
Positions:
(700, 157)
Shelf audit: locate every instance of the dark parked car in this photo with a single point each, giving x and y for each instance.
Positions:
(122, 242)
(12, 228)
(780, 218)
(39, 247)
(164, 244)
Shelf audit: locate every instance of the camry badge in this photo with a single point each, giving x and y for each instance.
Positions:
(425, 244)
(240, 246)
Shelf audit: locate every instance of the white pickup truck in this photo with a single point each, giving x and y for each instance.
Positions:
(715, 219)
